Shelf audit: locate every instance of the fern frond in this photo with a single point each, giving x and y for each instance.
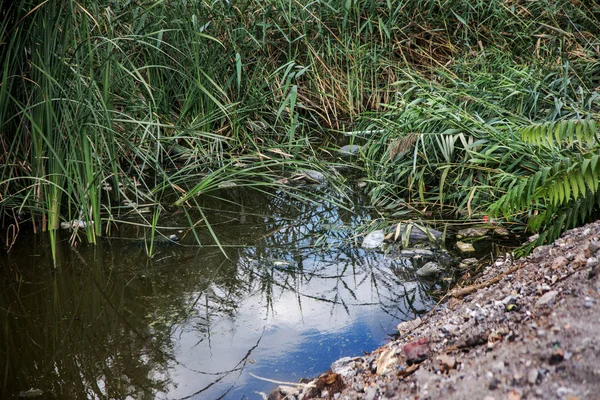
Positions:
(583, 132)
(570, 180)
(557, 185)
(553, 221)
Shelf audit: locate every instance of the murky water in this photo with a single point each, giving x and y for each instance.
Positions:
(292, 293)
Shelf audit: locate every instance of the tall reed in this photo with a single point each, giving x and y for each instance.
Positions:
(103, 102)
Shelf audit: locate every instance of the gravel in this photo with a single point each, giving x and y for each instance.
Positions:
(532, 334)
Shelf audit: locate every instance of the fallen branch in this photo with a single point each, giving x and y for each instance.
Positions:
(472, 288)
(282, 382)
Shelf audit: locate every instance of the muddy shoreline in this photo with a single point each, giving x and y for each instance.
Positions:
(526, 329)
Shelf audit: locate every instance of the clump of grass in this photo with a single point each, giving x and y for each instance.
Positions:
(103, 102)
(455, 143)
(147, 98)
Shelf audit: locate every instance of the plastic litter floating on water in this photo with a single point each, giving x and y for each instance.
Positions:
(75, 224)
(373, 240)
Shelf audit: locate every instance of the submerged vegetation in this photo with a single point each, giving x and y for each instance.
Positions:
(464, 108)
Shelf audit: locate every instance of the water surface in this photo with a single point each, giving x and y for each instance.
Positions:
(291, 292)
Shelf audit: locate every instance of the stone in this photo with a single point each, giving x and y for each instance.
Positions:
(370, 393)
(465, 247)
(349, 150)
(592, 262)
(472, 233)
(344, 367)
(545, 288)
(547, 299)
(226, 184)
(594, 245)
(470, 262)
(448, 362)
(417, 253)
(451, 329)
(407, 326)
(514, 395)
(31, 393)
(417, 233)
(373, 240)
(509, 300)
(501, 231)
(563, 391)
(417, 350)
(532, 376)
(386, 360)
(559, 262)
(423, 233)
(429, 269)
(288, 390)
(315, 176)
(283, 392)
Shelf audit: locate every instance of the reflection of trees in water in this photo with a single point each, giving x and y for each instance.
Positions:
(346, 280)
(71, 333)
(304, 243)
(323, 249)
(106, 324)
(103, 326)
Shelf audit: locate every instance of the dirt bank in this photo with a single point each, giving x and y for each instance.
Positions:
(529, 330)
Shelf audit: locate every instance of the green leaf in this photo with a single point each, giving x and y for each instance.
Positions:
(574, 187)
(585, 165)
(567, 191)
(442, 181)
(581, 184)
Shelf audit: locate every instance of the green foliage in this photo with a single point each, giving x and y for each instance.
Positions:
(469, 148)
(106, 101)
(562, 195)
(569, 132)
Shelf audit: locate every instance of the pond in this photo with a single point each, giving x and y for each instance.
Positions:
(290, 292)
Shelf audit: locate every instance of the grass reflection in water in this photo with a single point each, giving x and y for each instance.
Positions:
(291, 293)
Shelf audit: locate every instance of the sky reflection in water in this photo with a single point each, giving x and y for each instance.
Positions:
(296, 293)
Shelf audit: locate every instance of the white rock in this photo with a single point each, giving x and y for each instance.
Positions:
(288, 390)
(407, 326)
(386, 360)
(547, 299)
(429, 269)
(315, 176)
(532, 376)
(344, 367)
(373, 240)
(472, 233)
(349, 149)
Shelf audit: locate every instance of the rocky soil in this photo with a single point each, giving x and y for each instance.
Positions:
(528, 329)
